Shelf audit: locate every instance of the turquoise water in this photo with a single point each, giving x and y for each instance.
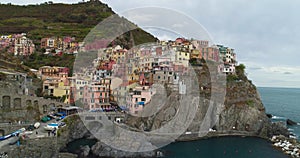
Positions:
(223, 147)
(283, 103)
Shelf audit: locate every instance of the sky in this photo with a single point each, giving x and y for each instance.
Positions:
(264, 33)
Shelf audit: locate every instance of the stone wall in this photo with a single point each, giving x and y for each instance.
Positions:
(15, 107)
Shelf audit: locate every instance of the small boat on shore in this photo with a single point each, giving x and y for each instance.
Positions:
(12, 134)
(5, 137)
(37, 125)
(51, 126)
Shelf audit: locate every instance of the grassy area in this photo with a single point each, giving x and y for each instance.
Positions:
(44, 20)
(37, 60)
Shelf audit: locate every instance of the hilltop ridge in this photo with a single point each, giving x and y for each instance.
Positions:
(57, 19)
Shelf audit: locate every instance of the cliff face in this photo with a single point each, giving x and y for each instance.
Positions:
(244, 110)
(240, 113)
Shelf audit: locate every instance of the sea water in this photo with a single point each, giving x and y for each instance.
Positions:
(283, 104)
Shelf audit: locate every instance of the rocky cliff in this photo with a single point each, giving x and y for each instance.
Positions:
(240, 112)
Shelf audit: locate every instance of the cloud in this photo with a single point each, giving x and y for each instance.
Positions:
(287, 73)
(265, 38)
(255, 68)
(178, 25)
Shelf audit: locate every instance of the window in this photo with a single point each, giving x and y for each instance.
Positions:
(158, 77)
(143, 99)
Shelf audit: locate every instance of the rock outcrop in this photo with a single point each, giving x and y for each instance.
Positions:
(290, 122)
(241, 112)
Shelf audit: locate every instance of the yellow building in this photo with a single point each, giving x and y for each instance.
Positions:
(183, 57)
(62, 89)
(195, 54)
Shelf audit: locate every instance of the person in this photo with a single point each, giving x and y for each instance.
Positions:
(48, 133)
(54, 132)
(36, 132)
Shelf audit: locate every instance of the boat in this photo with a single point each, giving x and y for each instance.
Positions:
(51, 126)
(37, 125)
(18, 131)
(5, 137)
(12, 134)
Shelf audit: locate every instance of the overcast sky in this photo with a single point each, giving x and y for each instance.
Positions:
(264, 33)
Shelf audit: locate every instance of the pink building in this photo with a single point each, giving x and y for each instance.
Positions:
(138, 98)
(23, 46)
(145, 52)
(48, 71)
(97, 95)
(209, 53)
(179, 41)
(97, 44)
(159, 51)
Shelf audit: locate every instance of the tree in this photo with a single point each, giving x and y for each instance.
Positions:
(240, 72)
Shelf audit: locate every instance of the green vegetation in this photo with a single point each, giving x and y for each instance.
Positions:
(53, 19)
(38, 60)
(196, 62)
(71, 119)
(239, 75)
(232, 78)
(49, 19)
(250, 103)
(240, 72)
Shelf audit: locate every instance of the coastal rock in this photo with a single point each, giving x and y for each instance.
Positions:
(279, 128)
(85, 150)
(102, 150)
(290, 122)
(244, 111)
(269, 115)
(43, 147)
(67, 155)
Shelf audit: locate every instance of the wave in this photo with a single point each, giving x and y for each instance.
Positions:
(290, 129)
(278, 118)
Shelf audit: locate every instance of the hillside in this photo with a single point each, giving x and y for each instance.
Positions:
(50, 19)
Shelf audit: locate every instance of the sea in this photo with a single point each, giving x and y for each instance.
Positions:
(282, 103)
